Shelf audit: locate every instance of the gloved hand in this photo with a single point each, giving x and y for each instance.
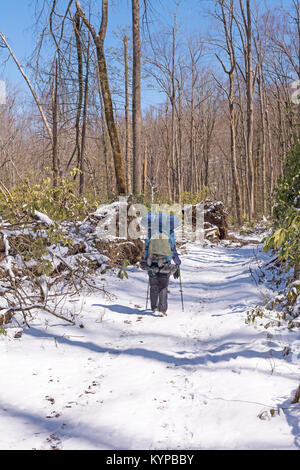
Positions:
(143, 264)
(177, 273)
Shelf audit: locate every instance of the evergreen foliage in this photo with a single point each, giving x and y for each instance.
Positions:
(286, 215)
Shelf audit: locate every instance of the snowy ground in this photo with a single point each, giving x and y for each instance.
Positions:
(197, 379)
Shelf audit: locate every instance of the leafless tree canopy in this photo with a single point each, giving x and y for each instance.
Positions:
(228, 112)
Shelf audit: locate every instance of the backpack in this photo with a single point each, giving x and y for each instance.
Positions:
(160, 239)
(159, 249)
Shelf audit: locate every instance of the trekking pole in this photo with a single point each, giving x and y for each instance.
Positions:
(181, 291)
(147, 293)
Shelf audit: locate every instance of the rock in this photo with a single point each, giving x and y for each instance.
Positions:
(117, 249)
(215, 214)
(215, 219)
(14, 333)
(5, 318)
(18, 333)
(76, 248)
(296, 398)
(120, 250)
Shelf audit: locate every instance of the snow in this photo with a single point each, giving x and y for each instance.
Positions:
(8, 259)
(43, 218)
(107, 209)
(125, 379)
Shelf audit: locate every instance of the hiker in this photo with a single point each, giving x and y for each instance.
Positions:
(160, 250)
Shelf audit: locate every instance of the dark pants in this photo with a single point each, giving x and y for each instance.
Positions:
(159, 291)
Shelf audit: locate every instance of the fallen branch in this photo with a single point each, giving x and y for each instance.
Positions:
(12, 310)
(38, 103)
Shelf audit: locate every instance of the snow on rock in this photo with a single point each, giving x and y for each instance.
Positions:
(106, 209)
(43, 218)
(14, 333)
(7, 262)
(296, 307)
(100, 258)
(215, 218)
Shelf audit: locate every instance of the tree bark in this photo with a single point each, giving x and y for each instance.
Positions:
(36, 99)
(136, 99)
(106, 94)
(173, 128)
(55, 126)
(145, 167)
(227, 24)
(80, 88)
(128, 155)
(250, 104)
(84, 123)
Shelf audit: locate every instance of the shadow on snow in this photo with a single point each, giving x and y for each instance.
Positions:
(124, 309)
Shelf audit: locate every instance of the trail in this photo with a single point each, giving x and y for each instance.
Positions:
(196, 379)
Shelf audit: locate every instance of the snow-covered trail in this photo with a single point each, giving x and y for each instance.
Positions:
(196, 379)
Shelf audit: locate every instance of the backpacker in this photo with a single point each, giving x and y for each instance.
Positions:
(160, 240)
(159, 249)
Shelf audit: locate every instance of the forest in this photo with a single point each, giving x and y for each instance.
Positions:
(227, 120)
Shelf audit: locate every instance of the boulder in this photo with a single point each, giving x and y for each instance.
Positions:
(215, 214)
(215, 219)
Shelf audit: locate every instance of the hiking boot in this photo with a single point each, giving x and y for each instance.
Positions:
(162, 314)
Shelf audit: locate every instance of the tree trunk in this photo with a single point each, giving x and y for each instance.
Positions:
(136, 99)
(106, 95)
(173, 129)
(145, 167)
(227, 24)
(250, 93)
(55, 126)
(84, 120)
(128, 156)
(235, 177)
(80, 87)
(263, 145)
(192, 135)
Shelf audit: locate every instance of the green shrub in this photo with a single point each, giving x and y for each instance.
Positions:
(286, 240)
(286, 214)
(59, 203)
(194, 198)
(287, 192)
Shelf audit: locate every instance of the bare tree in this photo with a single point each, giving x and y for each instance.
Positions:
(55, 159)
(128, 154)
(25, 76)
(226, 17)
(136, 99)
(244, 26)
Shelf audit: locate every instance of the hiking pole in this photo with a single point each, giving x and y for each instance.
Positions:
(181, 291)
(147, 293)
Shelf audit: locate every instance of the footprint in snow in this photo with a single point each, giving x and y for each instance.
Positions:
(54, 414)
(54, 442)
(50, 399)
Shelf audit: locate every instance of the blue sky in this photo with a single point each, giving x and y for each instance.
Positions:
(17, 18)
